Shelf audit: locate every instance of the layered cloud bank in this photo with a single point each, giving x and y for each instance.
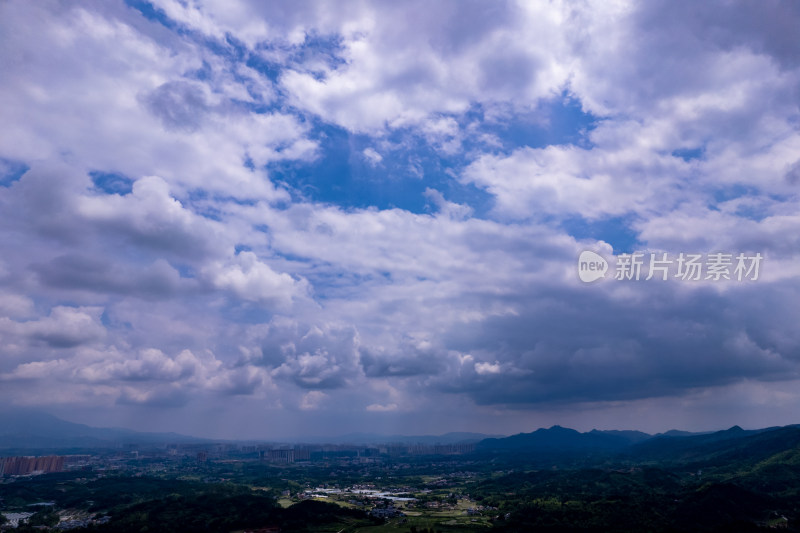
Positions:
(275, 219)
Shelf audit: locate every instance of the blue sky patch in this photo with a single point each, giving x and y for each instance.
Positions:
(11, 171)
(689, 154)
(616, 231)
(111, 182)
(560, 120)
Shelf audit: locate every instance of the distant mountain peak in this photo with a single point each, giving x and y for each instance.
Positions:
(558, 438)
(29, 429)
(672, 445)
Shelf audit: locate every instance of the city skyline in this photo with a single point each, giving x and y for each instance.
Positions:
(251, 220)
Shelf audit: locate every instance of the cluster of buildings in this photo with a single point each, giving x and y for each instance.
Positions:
(14, 520)
(285, 455)
(20, 466)
(132, 456)
(432, 449)
(75, 523)
(386, 512)
(363, 454)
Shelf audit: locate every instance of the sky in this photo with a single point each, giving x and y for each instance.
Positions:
(246, 219)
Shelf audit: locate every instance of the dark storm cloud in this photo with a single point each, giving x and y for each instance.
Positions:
(65, 327)
(40, 202)
(151, 218)
(165, 397)
(312, 357)
(408, 360)
(512, 70)
(82, 272)
(583, 345)
(180, 105)
(793, 174)
(767, 27)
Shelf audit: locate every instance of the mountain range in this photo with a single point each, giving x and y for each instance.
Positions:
(25, 429)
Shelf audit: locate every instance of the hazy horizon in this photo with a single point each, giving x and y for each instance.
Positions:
(239, 219)
(337, 437)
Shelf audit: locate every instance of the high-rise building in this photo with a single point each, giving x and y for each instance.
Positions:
(18, 466)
